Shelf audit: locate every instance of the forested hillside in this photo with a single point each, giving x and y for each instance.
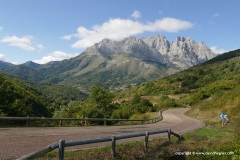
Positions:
(18, 99)
(21, 98)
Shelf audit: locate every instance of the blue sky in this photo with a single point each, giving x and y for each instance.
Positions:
(49, 30)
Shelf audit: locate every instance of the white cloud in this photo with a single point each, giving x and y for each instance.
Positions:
(216, 15)
(136, 14)
(216, 50)
(117, 29)
(2, 57)
(14, 62)
(68, 37)
(55, 56)
(25, 42)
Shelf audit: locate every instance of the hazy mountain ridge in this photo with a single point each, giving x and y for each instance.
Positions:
(4, 65)
(119, 63)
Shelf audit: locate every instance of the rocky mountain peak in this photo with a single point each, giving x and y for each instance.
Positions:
(183, 42)
(181, 53)
(159, 43)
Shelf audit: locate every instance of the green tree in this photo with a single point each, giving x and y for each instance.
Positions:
(21, 109)
(165, 101)
(136, 99)
(71, 110)
(99, 104)
(100, 96)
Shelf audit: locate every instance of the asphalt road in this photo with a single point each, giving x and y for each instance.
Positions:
(16, 142)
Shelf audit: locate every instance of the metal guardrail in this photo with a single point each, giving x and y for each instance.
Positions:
(86, 120)
(62, 143)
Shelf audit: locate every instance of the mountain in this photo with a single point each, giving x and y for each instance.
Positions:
(223, 68)
(116, 64)
(4, 65)
(32, 65)
(25, 72)
(181, 53)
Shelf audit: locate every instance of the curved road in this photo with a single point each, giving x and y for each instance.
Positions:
(16, 142)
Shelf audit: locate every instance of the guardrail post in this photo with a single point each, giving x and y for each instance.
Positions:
(113, 146)
(169, 134)
(61, 149)
(28, 121)
(105, 122)
(86, 123)
(60, 123)
(146, 140)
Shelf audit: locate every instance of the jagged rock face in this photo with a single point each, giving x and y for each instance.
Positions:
(181, 53)
(203, 52)
(158, 43)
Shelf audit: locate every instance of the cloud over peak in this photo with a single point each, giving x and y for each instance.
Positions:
(217, 50)
(55, 56)
(118, 29)
(2, 57)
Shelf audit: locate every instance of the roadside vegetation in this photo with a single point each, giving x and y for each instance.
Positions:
(100, 104)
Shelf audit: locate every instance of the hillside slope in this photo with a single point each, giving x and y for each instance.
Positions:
(211, 88)
(20, 98)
